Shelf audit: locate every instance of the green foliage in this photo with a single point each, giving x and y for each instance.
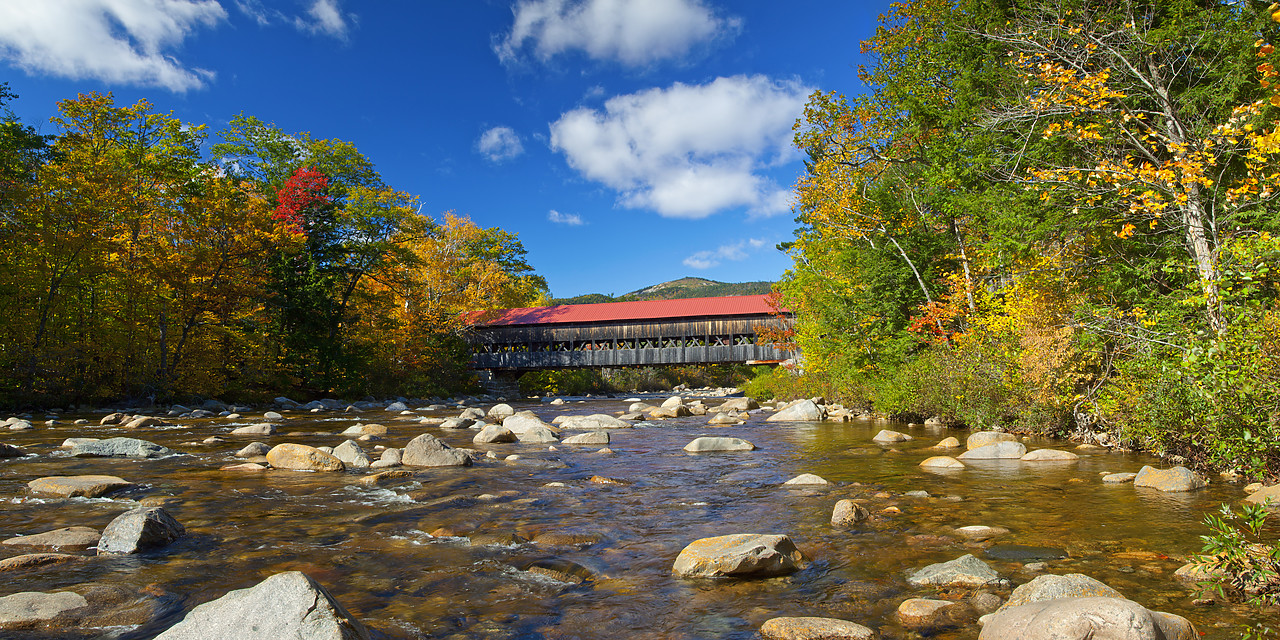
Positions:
(631, 379)
(1245, 565)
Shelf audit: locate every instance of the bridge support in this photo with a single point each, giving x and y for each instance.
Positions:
(500, 382)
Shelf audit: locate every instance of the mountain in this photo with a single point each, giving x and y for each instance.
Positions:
(687, 287)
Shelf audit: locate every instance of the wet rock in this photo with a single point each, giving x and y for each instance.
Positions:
(922, 614)
(537, 434)
(74, 486)
(30, 609)
(1085, 619)
(244, 466)
(75, 538)
(1119, 478)
(1006, 449)
(808, 628)
(494, 433)
(739, 555)
(391, 457)
(260, 429)
(1197, 572)
(253, 450)
(386, 478)
(724, 419)
(942, 462)
(987, 438)
(978, 532)
(499, 412)
(11, 451)
(301, 457)
(1023, 553)
(397, 407)
(984, 602)
(1050, 455)
(119, 448)
(35, 560)
(138, 530)
(1053, 587)
(427, 450)
(718, 444)
(738, 404)
(568, 538)
(272, 416)
(112, 418)
(143, 421)
(459, 423)
(807, 479)
(523, 421)
(802, 411)
(20, 425)
(949, 442)
(372, 429)
(669, 412)
(965, 571)
(1265, 495)
(1171, 480)
(286, 605)
(594, 422)
(71, 442)
(592, 438)
(848, 512)
(351, 455)
(889, 437)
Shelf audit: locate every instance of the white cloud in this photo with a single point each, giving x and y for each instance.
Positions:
(255, 10)
(736, 252)
(500, 144)
(324, 17)
(119, 41)
(571, 219)
(688, 151)
(633, 32)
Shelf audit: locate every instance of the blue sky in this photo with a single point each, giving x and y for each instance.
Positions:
(627, 142)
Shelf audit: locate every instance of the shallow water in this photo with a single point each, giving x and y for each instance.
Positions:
(373, 550)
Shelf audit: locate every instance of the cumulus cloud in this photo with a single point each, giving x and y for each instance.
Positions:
(500, 144)
(324, 17)
(688, 151)
(736, 252)
(119, 41)
(571, 219)
(632, 32)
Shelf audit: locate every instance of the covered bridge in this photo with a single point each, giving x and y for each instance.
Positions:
(623, 334)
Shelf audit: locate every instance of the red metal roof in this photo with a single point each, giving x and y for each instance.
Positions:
(638, 310)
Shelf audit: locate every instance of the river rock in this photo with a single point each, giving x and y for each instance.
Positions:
(260, 429)
(1085, 619)
(1003, 450)
(397, 407)
(1050, 455)
(1053, 587)
(707, 443)
(119, 448)
(112, 418)
(889, 437)
(848, 512)
(594, 422)
(523, 421)
(979, 532)
(1119, 478)
(427, 450)
(802, 411)
(371, 429)
(138, 530)
(738, 404)
(143, 421)
(537, 434)
(949, 442)
(351, 455)
(720, 419)
(73, 486)
(34, 560)
(807, 479)
(808, 628)
(942, 462)
(286, 605)
(986, 438)
(1265, 495)
(72, 442)
(669, 412)
(64, 538)
(253, 450)
(272, 416)
(500, 412)
(11, 451)
(1175, 479)
(1024, 553)
(459, 423)
(244, 466)
(965, 571)
(739, 555)
(594, 438)
(384, 478)
(494, 433)
(673, 402)
(391, 457)
(472, 413)
(930, 613)
(31, 608)
(301, 457)
(20, 425)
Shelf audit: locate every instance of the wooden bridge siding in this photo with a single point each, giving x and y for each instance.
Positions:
(618, 331)
(626, 357)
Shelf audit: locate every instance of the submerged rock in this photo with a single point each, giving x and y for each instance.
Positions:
(286, 605)
(1050, 455)
(64, 538)
(30, 609)
(1119, 478)
(739, 555)
(75, 486)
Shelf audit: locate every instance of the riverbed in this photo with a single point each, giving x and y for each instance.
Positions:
(574, 543)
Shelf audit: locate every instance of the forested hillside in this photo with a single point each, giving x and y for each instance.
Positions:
(134, 264)
(1053, 215)
(687, 287)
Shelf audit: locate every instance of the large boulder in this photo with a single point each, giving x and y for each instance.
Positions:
(594, 422)
(1085, 619)
(802, 411)
(1175, 479)
(1054, 587)
(1265, 496)
(1003, 450)
(11, 451)
(260, 429)
(965, 571)
(537, 434)
(301, 457)
(30, 609)
(739, 555)
(286, 605)
(523, 421)
(82, 486)
(591, 438)
(65, 538)
(119, 448)
(809, 628)
(1050, 455)
(500, 412)
(494, 433)
(738, 404)
(890, 437)
(427, 450)
(706, 443)
(986, 438)
(138, 530)
(351, 455)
